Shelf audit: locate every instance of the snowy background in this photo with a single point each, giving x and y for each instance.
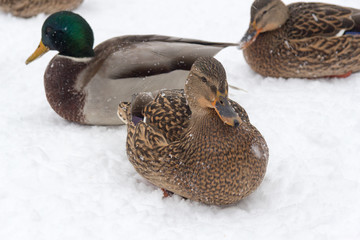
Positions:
(60, 180)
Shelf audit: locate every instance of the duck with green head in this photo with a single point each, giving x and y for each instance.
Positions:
(196, 142)
(302, 40)
(85, 85)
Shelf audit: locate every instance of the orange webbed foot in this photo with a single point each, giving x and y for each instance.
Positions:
(166, 193)
(341, 76)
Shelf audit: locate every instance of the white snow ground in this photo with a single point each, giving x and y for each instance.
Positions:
(60, 180)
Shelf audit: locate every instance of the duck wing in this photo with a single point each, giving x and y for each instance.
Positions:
(143, 141)
(319, 19)
(139, 56)
(169, 113)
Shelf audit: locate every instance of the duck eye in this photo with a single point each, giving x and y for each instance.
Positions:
(48, 29)
(204, 79)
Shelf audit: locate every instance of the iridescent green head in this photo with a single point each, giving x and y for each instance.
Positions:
(68, 33)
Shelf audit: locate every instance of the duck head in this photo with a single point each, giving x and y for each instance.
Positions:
(206, 89)
(68, 33)
(266, 15)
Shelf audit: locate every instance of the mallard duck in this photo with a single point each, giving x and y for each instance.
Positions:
(196, 142)
(302, 40)
(85, 85)
(29, 8)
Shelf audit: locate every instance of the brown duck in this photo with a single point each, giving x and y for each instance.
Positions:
(302, 40)
(29, 8)
(196, 142)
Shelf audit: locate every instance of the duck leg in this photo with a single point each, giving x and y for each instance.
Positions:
(345, 75)
(166, 193)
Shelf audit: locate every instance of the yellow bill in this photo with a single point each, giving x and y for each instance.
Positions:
(38, 53)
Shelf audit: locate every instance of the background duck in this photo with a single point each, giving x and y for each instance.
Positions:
(85, 85)
(196, 142)
(302, 40)
(29, 8)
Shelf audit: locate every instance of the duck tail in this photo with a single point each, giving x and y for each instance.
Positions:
(356, 29)
(133, 111)
(123, 111)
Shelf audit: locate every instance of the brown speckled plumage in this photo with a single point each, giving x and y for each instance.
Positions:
(184, 146)
(29, 8)
(306, 45)
(160, 112)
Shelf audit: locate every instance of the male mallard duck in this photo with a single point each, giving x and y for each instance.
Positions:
(196, 142)
(29, 8)
(85, 85)
(302, 40)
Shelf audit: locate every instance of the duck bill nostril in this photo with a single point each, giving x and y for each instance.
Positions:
(236, 123)
(226, 112)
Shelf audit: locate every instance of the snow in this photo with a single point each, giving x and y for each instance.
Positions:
(315, 17)
(255, 148)
(60, 180)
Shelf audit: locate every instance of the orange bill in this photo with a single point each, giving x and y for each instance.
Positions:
(250, 36)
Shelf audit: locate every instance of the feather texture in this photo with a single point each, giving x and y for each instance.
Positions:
(317, 40)
(29, 8)
(191, 153)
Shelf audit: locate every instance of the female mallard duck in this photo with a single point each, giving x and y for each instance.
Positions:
(302, 40)
(196, 142)
(29, 8)
(85, 85)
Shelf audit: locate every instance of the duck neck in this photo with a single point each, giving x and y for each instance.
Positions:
(206, 122)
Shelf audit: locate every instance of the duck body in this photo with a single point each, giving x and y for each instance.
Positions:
(29, 8)
(194, 154)
(89, 90)
(316, 40)
(85, 85)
